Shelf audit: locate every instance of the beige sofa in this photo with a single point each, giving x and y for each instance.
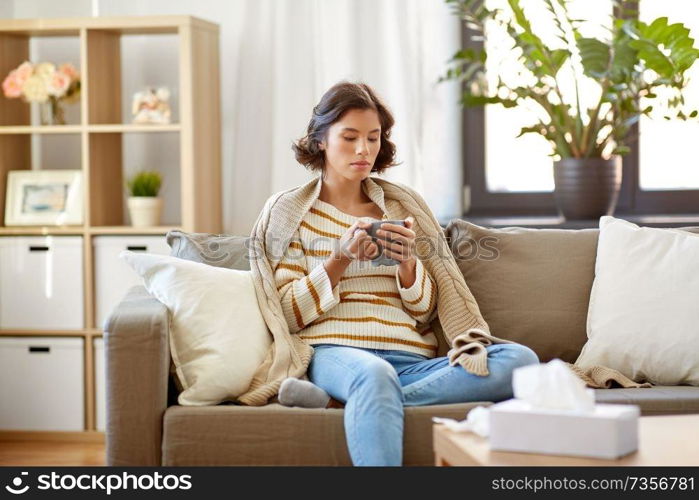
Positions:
(532, 286)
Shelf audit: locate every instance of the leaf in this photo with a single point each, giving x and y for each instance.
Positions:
(471, 100)
(654, 59)
(558, 58)
(594, 55)
(655, 30)
(625, 58)
(534, 129)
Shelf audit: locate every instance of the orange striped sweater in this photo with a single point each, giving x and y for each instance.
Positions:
(368, 308)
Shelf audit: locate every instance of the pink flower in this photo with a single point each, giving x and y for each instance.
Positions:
(24, 71)
(69, 70)
(11, 87)
(58, 84)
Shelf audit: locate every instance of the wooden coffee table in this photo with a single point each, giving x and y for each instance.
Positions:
(665, 440)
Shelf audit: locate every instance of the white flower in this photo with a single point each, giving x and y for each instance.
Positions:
(45, 71)
(34, 89)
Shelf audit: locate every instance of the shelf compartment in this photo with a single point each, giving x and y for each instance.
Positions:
(47, 388)
(59, 48)
(114, 157)
(42, 282)
(112, 83)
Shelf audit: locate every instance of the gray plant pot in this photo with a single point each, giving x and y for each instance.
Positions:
(587, 188)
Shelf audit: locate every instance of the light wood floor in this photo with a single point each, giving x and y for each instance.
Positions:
(57, 453)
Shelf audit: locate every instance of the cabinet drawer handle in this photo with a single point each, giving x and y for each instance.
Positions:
(137, 248)
(38, 248)
(39, 349)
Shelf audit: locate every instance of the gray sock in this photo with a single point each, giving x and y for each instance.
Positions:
(295, 392)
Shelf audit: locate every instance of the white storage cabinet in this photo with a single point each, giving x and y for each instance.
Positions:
(113, 276)
(41, 282)
(42, 383)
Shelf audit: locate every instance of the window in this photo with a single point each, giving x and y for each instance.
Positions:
(509, 175)
(667, 150)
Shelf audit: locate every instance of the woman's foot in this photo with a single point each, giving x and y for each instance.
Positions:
(295, 392)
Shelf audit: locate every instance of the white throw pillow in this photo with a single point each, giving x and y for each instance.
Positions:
(643, 317)
(218, 337)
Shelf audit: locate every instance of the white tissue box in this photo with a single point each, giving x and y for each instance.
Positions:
(610, 431)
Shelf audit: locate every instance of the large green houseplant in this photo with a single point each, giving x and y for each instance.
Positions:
(636, 60)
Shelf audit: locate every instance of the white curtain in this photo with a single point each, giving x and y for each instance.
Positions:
(293, 51)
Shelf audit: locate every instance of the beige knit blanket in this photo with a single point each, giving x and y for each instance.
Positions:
(463, 326)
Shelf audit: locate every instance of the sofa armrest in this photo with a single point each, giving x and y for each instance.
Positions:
(137, 364)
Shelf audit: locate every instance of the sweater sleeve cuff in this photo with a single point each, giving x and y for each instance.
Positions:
(414, 293)
(325, 295)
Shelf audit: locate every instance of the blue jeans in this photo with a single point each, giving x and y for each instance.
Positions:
(375, 384)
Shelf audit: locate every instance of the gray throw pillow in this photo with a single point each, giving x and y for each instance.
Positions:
(217, 250)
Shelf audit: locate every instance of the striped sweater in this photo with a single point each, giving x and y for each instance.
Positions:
(368, 308)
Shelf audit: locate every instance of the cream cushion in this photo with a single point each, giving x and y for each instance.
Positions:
(643, 315)
(218, 337)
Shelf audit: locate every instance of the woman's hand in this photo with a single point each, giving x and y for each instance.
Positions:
(356, 244)
(402, 248)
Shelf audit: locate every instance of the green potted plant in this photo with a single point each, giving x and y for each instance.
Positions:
(636, 61)
(145, 208)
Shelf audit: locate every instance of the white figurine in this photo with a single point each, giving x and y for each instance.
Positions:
(151, 106)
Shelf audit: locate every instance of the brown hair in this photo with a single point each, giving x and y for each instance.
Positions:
(339, 99)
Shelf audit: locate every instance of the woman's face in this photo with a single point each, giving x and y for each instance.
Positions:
(352, 144)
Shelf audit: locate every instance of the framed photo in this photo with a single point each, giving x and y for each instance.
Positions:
(44, 198)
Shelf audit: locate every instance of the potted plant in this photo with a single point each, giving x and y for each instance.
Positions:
(145, 207)
(638, 67)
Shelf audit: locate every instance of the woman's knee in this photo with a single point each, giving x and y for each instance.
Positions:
(513, 356)
(378, 373)
(522, 355)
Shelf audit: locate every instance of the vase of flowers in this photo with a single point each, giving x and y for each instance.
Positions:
(44, 83)
(638, 68)
(144, 205)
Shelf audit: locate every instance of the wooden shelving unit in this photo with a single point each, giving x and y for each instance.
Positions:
(101, 130)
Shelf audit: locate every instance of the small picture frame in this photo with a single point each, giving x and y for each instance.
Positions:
(44, 198)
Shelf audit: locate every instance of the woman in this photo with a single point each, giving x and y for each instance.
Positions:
(365, 322)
